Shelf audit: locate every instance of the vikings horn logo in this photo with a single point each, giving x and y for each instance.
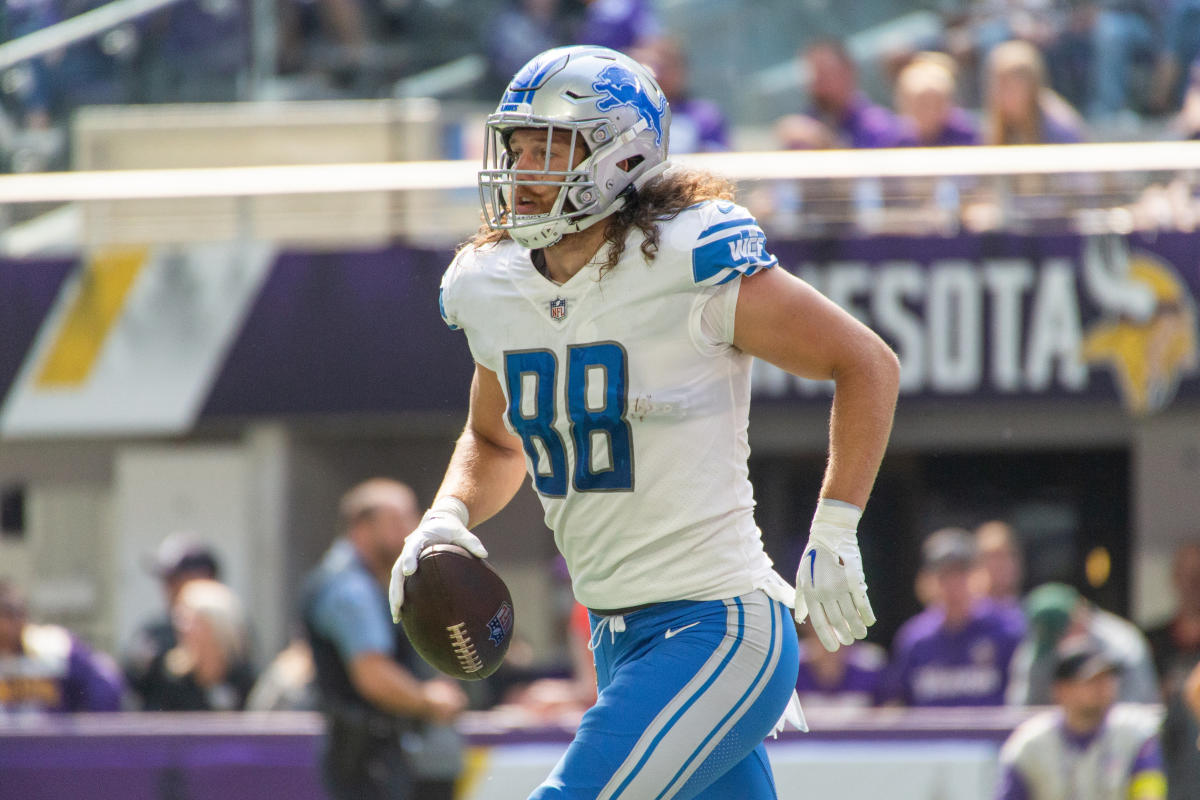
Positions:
(1148, 337)
(620, 87)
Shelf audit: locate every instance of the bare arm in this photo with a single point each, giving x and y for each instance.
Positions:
(390, 687)
(488, 464)
(485, 471)
(783, 320)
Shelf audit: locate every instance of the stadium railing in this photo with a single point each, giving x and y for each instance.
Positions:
(1084, 188)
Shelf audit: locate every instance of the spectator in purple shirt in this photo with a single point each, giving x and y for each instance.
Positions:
(840, 115)
(697, 125)
(1021, 109)
(44, 668)
(925, 98)
(957, 651)
(849, 677)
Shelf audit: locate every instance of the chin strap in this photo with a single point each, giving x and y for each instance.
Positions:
(535, 238)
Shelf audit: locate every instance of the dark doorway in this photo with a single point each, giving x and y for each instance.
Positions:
(1065, 505)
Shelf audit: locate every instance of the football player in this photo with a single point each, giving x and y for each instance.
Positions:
(613, 304)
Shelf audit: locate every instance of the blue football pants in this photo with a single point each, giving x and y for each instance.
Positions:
(688, 692)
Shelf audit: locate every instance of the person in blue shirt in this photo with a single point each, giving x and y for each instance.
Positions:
(374, 704)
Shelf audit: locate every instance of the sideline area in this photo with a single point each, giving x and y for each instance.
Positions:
(915, 753)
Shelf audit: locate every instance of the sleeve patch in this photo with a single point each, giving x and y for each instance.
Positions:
(729, 249)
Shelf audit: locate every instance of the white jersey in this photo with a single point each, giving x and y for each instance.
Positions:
(631, 403)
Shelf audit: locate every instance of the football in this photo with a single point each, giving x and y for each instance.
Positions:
(457, 612)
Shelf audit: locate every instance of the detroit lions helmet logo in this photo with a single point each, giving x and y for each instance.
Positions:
(620, 87)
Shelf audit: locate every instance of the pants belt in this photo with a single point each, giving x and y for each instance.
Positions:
(620, 612)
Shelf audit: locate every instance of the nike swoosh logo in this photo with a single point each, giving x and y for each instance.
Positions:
(672, 631)
(812, 565)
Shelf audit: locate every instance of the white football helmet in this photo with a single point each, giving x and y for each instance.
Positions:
(607, 101)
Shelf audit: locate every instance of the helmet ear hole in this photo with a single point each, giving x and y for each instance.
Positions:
(631, 163)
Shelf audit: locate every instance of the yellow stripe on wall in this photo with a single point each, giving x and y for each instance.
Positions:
(103, 287)
(475, 766)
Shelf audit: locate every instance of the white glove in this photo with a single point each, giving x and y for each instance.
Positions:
(444, 523)
(830, 583)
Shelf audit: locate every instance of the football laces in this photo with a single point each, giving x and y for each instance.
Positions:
(464, 648)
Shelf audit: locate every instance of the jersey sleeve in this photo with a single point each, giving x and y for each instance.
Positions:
(729, 244)
(464, 304)
(447, 295)
(717, 316)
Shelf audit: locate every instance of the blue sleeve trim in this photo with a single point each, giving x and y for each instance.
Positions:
(740, 252)
(733, 223)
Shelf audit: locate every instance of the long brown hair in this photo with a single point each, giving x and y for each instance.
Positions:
(1020, 60)
(661, 199)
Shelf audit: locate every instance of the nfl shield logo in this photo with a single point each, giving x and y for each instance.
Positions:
(500, 625)
(558, 308)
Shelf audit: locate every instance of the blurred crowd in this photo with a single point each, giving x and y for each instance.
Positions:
(996, 71)
(983, 638)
